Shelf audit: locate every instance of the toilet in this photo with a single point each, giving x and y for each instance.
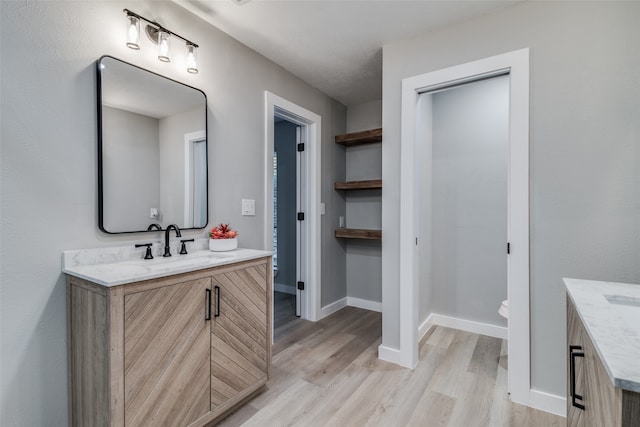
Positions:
(504, 309)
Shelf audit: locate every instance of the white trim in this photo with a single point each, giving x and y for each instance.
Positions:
(333, 307)
(188, 151)
(547, 402)
(517, 65)
(469, 326)
(312, 124)
(287, 289)
(389, 354)
(425, 327)
(365, 304)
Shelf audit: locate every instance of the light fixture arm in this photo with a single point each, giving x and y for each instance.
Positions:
(159, 27)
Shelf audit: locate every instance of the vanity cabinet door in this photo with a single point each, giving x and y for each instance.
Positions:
(575, 368)
(167, 352)
(241, 334)
(600, 398)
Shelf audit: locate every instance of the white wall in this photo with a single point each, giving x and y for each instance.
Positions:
(585, 180)
(131, 171)
(364, 207)
(468, 209)
(49, 178)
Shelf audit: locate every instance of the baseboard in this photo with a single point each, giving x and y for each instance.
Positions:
(364, 303)
(469, 326)
(281, 287)
(425, 327)
(332, 308)
(389, 354)
(547, 402)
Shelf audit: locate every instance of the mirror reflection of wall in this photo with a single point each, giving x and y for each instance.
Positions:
(153, 150)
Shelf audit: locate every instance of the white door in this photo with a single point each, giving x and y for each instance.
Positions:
(300, 203)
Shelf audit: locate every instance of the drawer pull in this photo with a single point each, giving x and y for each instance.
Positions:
(217, 288)
(207, 310)
(574, 351)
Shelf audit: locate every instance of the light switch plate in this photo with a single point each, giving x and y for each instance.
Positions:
(322, 209)
(248, 207)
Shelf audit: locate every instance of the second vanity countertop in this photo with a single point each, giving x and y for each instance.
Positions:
(108, 267)
(610, 313)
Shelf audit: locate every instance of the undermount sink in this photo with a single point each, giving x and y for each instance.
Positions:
(623, 300)
(628, 308)
(178, 261)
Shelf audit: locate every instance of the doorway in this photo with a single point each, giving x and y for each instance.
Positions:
(307, 215)
(461, 144)
(516, 66)
(286, 237)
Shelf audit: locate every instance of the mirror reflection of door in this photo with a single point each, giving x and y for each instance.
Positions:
(195, 206)
(286, 228)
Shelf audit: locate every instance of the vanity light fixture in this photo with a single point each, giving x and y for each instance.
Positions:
(163, 46)
(133, 32)
(192, 59)
(160, 36)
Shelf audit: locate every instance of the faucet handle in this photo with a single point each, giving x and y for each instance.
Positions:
(148, 255)
(183, 248)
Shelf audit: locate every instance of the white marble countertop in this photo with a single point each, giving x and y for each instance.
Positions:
(120, 265)
(611, 315)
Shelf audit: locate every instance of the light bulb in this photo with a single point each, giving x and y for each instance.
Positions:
(192, 59)
(163, 46)
(133, 32)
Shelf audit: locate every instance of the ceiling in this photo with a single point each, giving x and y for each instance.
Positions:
(334, 45)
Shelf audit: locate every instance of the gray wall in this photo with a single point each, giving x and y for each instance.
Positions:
(468, 212)
(584, 179)
(131, 169)
(364, 207)
(285, 146)
(172, 178)
(49, 179)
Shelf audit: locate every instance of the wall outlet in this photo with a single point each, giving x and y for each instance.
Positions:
(322, 209)
(153, 213)
(341, 221)
(248, 207)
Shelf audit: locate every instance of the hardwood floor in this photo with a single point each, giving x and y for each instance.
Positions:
(284, 312)
(328, 374)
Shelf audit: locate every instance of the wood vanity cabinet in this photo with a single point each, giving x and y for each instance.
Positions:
(180, 350)
(592, 399)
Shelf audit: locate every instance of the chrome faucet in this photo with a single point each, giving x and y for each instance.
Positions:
(167, 249)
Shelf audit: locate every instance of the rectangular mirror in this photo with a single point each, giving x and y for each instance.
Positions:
(152, 150)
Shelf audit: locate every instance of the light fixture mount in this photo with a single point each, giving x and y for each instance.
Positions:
(152, 33)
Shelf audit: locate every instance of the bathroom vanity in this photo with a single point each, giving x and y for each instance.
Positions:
(603, 353)
(176, 342)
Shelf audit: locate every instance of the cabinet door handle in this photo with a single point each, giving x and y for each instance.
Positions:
(217, 289)
(574, 351)
(207, 309)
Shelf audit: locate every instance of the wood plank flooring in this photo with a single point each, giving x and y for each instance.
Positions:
(328, 374)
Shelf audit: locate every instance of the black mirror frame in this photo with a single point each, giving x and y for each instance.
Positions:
(100, 168)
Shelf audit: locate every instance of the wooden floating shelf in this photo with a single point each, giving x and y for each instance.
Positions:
(359, 138)
(371, 184)
(354, 233)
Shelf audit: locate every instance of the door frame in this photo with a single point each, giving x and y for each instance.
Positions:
(516, 65)
(310, 124)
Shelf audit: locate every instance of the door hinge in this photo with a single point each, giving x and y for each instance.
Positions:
(301, 286)
(300, 216)
(301, 146)
(508, 248)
